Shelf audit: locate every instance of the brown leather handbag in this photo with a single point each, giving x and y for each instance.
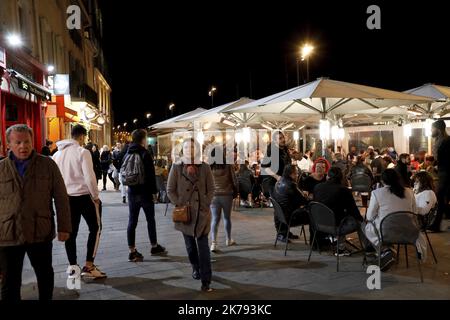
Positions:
(182, 214)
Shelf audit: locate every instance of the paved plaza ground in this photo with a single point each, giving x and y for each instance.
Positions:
(253, 269)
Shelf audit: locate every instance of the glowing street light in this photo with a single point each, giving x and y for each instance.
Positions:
(211, 94)
(171, 108)
(135, 121)
(14, 40)
(148, 115)
(306, 51)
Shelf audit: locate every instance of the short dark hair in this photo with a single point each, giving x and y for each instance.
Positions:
(288, 169)
(138, 135)
(439, 124)
(77, 131)
(425, 180)
(335, 173)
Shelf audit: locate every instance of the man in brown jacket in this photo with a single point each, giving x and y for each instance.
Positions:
(28, 184)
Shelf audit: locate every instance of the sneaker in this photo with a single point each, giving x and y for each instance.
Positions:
(283, 239)
(206, 287)
(196, 275)
(230, 243)
(343, 253)
(135, 256)
(158, 250)
(72, 270)
(387, 260)
(92, 272)
(214, 247)
(124, 199)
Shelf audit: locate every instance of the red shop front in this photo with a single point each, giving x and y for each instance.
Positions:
(22, 99)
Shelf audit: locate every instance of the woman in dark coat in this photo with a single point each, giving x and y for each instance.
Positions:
(191, 183)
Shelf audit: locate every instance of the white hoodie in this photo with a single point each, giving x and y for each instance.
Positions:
(75, 164)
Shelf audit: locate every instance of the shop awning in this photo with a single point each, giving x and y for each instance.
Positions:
(31, 87)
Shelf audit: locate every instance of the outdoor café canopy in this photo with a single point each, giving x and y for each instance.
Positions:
(216, 114)
(172, 122)
(440, 95)
(325, 97)
(219, 118)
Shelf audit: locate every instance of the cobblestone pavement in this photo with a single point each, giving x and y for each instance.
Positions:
(253, 269)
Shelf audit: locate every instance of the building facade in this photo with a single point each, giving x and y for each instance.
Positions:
(56, 77)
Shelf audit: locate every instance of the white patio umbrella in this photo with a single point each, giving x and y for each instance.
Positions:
(440, 95)
(172, 122)
(326, 97)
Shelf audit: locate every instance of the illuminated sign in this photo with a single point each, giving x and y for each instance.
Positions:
(33, 89)
(61, 84)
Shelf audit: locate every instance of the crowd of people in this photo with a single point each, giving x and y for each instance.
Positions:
(204, 191)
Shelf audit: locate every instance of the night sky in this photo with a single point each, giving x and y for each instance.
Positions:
(250, 49)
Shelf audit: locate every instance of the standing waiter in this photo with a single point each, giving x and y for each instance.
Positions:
(441, 152)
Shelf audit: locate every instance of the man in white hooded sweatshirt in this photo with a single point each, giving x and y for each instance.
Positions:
(75, 164)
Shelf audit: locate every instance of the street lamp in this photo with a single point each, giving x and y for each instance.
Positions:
(211, 94)
(50, 68)
(14, 40)
(306, 51)
(148, 115)
(171, 108)
(135, 121)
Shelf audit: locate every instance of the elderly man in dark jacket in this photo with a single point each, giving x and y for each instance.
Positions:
(291, 200)
(28, 184)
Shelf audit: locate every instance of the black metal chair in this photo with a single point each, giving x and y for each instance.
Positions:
(398, 228)
(361, 182)
(279, 213)
(426, 222)
(323, 219)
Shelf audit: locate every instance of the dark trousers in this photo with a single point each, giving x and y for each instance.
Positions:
(443, 197)
(83, 206)
(135, 203)
(199, 256)
(104, 175)
(299, 217)
(11, 263)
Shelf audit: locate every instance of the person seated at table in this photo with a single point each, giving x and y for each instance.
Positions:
(246, 181)
(291, 200)
(423, 191)
(319, 175)
(360, 168)
(384, 201)
(306, 163)
(389, 162)
(403, 170)
(340, 163)
(414, 162)
(339, 199)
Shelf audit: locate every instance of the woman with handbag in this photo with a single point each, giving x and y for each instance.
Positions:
(226, 188)
(190, 188)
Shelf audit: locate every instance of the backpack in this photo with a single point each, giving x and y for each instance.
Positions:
(132, 170)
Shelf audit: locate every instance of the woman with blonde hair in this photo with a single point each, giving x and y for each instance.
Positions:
(191, 184)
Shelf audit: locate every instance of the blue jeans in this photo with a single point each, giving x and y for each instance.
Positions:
(218, 204)
(135, 203)
(199, 256)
